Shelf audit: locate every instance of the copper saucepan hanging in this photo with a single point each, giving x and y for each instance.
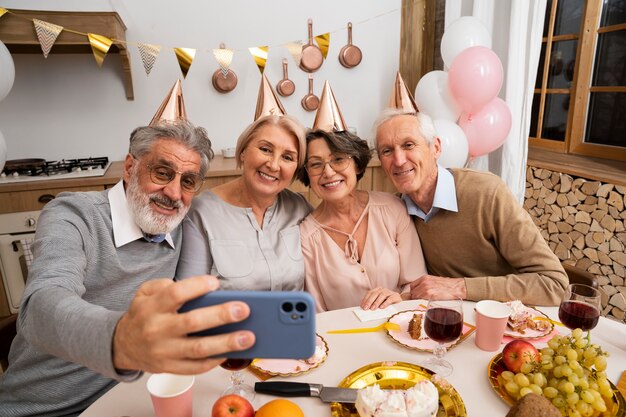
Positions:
(224, 81)
(310, 102)
(285, 87)
(350, 55)
(312, 58)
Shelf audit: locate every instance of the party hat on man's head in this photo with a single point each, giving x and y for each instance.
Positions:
(328, 117)
(267, 103)
(401, 98)
(173, 107)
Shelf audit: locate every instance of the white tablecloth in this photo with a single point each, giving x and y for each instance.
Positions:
(348, 353)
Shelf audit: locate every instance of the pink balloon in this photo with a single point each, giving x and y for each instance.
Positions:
(475, 78)
(486, 129)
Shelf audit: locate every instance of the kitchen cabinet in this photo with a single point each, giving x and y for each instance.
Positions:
(17, 32)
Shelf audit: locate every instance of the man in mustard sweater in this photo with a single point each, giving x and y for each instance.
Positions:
(478, 241)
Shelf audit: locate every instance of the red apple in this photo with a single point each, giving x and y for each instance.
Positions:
(518, 352)
(232, 405)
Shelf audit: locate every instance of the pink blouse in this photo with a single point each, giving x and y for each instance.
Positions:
(392, 256)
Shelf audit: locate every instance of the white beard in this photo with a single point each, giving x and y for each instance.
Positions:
(147, 219)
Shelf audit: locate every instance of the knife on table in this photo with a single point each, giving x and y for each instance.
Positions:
(301, 389)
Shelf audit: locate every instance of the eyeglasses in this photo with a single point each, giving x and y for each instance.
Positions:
(162, 174)
(337, 163)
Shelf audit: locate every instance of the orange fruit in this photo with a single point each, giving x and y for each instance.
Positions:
(279, 408)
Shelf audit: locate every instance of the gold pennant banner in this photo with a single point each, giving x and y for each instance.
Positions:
(148, 55)
(47, 34)
(295, 50)
(185, 58)
(224, 57)
(100, 46)
(2, 11)
(259, 53)
(323, 41)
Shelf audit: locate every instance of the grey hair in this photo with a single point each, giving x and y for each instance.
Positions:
(289, 123)
(426, 127)
(193, 137)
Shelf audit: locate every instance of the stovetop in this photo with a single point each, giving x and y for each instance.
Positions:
(22, 170)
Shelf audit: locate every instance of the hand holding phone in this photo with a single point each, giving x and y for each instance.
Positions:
(283, 322)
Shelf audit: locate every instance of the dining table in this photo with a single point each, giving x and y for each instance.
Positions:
(349, 352)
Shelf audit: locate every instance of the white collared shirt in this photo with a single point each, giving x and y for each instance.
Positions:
(445, 197)
(125, 230)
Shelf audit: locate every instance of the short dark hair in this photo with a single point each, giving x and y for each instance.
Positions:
(344, 143)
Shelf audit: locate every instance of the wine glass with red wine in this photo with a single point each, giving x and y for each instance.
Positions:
(580, 307)
(237, 384)
(443, 323)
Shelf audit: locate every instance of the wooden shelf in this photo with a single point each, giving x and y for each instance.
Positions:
(18, 34)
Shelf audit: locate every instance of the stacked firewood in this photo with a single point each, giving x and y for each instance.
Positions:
(583, 221)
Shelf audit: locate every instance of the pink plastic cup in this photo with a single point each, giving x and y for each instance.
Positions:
(491, 319)
(172, 395)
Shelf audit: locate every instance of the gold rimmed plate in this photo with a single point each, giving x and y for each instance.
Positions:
(399, 375)
(530, 333)
(616, 405)
(291, 367)
(424, 344)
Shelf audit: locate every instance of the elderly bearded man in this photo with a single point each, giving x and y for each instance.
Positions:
(92, 313)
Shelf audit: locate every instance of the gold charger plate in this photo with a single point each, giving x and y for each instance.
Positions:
(290, 367)
(424, 344)
(398, 375)
(616, 407)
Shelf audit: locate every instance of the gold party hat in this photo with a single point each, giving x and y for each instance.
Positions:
(173, 107)
(328, 117)
(267, 103)
(401, 98)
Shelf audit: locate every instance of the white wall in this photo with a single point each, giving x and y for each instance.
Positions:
(66, 107)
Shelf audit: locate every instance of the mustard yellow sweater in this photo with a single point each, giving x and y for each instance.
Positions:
(493, 243)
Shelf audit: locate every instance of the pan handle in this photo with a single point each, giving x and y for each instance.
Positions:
(284, 68)
(310, 23)
(349, 33)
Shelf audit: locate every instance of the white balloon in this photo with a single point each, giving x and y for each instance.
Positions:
(7, 71)
(3, 152)
(434, 98)
(465, 32)
(454, 147)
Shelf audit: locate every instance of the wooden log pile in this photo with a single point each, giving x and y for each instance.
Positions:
(583, 221)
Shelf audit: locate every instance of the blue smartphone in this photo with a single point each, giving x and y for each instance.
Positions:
(282, 321)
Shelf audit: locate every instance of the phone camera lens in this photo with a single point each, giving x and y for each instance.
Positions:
(301, 307)
(287, 307)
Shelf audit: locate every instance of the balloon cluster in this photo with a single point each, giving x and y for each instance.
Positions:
(7, 76)
(469, 117)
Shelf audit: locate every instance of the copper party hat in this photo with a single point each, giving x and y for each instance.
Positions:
(173, 107)
(267, 103)
(328, 117)
(401, 98)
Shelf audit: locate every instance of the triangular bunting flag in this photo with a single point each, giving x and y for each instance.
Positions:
(224, 57)
(185, 58)
(323, 41)
(295, 49)
(259, 53)
(100, 46)
(2, 11)
(47, 34)
(148, 55)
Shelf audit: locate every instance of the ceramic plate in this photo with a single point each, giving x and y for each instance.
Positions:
(398, 375)
(290, 367)
(616, 406)
(529, 333)
(424, 344)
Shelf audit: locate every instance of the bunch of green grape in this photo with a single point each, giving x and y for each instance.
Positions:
(571, 374)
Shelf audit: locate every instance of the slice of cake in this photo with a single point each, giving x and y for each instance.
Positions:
(518, 320)
(421, 400)
(415, 326)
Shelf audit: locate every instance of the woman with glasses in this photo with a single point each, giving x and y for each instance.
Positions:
(245, 232)
(360, 248)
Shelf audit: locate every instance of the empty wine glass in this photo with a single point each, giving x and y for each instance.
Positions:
(580, 307)
(237, 384)
(443, 323)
